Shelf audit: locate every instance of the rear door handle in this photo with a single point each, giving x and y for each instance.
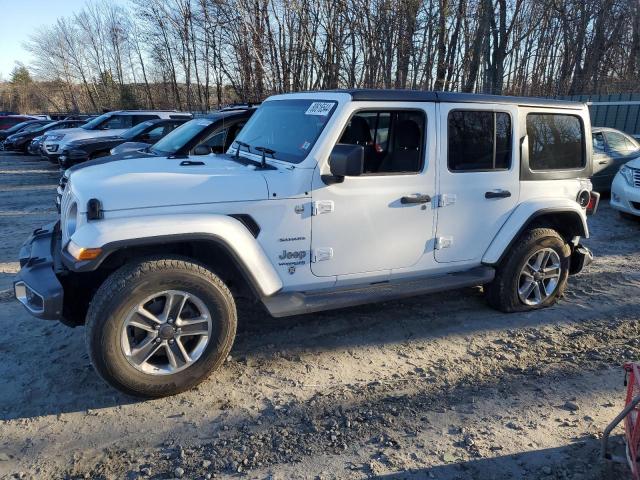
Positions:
(416, 199)
(498, 194)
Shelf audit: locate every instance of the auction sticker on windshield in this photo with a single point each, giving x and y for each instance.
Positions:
(319, 108)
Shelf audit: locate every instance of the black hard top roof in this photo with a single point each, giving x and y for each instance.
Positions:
(390, 95)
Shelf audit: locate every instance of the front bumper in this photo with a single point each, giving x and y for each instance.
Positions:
(624, 197)
(69, 158)
(37, 286)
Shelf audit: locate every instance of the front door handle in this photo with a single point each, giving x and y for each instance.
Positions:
(498, 194)
(603, 162)
(416, 199)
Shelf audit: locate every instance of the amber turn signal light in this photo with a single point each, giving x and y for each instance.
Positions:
(81, 253)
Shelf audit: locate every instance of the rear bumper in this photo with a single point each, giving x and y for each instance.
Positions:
(580, 257)
(37, 286)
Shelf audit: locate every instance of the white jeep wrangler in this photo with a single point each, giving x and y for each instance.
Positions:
(325, 200)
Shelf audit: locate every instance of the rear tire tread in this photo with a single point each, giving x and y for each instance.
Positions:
(502, 294)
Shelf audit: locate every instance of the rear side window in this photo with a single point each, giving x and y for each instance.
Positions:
(479, 140)
(556, 141)
(116, 122)
(143, 118)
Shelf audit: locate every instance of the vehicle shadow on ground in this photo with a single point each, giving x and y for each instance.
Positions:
(387, 423)
(581, 459)
(62, 380)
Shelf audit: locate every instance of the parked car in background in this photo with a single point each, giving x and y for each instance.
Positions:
(138, 137)
(211, 134)
(8, 121)
(20, 141)
(625, 189)
(35, 145)
(108, 124)
(611, 149)
(27, 125)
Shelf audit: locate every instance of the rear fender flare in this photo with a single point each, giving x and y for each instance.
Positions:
(527, 213)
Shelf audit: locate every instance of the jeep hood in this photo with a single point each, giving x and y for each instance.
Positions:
(164, 182)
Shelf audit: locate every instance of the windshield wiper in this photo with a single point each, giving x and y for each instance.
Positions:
(242, 144)
(265, 150)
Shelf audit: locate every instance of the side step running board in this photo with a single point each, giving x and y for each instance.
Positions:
(286, 304)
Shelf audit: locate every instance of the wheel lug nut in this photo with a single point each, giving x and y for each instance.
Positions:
(171, 341)
(158, 340)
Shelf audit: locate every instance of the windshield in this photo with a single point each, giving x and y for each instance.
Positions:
(47, 126)
(179, 137)
(137, 130)
(95, 123)
(289, 128)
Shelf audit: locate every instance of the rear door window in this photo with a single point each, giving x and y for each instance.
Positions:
(142, 118)
(116, 122)
(556, 141)
(479, 140)
(619, 143)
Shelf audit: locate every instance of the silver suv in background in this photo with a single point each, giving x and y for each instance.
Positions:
(108, 124)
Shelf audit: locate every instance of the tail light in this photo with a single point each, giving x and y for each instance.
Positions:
(592, 206)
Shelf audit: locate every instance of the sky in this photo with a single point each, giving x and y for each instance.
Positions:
(21, 18)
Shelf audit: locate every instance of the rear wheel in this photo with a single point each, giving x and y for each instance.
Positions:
(160, 326)
(534, 274)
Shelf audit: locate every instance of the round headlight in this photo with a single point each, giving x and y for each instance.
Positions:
(72, 219)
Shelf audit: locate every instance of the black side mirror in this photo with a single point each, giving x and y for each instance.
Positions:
(202, 150)
(345, 161)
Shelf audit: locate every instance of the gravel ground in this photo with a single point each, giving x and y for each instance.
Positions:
(438, 386)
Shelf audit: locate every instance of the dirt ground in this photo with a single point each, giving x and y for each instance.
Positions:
(439, 386)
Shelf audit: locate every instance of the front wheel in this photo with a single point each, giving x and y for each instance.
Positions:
(160, 326)
(534, 274)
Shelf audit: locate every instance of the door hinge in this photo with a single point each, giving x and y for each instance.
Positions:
(321, 254)
(445, 199)
(443, 242)
(322, 206)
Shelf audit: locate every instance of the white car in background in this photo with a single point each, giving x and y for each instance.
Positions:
(625, 190)
(108, 124)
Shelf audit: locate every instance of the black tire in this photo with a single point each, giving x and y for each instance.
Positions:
(130, 285)
(502, 292)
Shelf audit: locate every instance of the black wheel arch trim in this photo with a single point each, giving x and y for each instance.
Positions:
(113, 247)
(527, 223)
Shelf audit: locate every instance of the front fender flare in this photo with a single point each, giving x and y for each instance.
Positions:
(114, 234)
(523, 215)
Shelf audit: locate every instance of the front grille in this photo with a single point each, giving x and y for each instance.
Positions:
(65, 203)
(636, 176)
(62, 185)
